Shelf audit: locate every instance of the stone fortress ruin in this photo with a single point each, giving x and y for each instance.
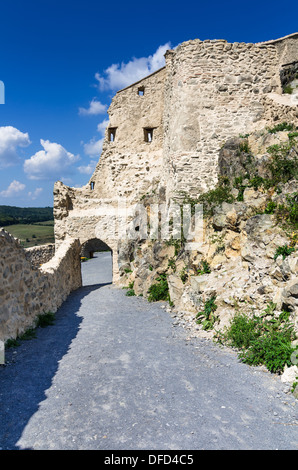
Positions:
(164, 136)
(165, 131)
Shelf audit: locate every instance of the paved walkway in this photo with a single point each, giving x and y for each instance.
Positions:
(114, 373)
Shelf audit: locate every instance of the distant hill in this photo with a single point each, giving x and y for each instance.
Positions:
(10, 215)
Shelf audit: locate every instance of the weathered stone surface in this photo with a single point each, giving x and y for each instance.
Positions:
(207, 94)
(27, 291)
(39, 255)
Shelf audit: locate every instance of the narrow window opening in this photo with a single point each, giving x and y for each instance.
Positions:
(141, 91)
(112, 134)
(148, 134)
(92, 184)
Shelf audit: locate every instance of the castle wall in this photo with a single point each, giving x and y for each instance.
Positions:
(128, 167)
(208, 92)
(27, 291)
(38, 255)
(216, 90)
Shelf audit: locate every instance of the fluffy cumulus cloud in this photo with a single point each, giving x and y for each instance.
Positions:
(95, 108)
(101, 127)
(88, 169)
(93, 147)
(121, 75)
(51, 163)
(14, 189)
(34, 194)
(11, 139)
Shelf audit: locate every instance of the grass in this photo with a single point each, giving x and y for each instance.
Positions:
(207, 316)
(33, 234)
(42, 321)
(261, 340)
(284, 250)
(159, 290)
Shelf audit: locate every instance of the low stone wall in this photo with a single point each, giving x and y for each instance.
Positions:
(27, 291)
(39, 255)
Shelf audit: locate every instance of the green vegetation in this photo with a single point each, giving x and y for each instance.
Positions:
(127, 270)
(130, 290)
(270, 207)
(282, 167)
(130, 293)
(262, 340)
(207, 316)
(176, 243)
(204, 268)
(184, 275)
(288, 89)
(159, 290)
(284, 126)
(172, 264)
(33, 234)
(42, 321)
(45, 319)
(11, 215)
(284, 250)
(287, 214)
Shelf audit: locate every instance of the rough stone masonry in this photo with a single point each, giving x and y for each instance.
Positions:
(165, 131)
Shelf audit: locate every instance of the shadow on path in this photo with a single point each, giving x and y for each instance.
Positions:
(31, 367)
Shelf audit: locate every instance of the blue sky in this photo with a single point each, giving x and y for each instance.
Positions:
(62, 61)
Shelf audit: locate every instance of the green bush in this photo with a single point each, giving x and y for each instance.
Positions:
(272, 350)
(215, 197)
(282, 167)
(45, 319)
(284, 250)
(284, 126)
(270, 207)
(262, 339)
(204, 268)
(287, 214)
(159, 290)
(288, 89)
(130, 293)
(207, 316)
(242, 331)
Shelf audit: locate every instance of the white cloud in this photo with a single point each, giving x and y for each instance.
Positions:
(121, 75)
(34, 194)
(93, 147)
(10, 139)
(101, 127)
(13, 189)
(50, 163)
(95, 107)
(88, 169)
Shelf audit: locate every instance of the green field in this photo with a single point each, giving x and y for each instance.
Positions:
(33, 234)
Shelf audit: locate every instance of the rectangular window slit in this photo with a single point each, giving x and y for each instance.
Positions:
(148, 134)
(112, 134)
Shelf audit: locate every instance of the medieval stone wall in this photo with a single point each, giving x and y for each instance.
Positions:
(38, 255)
(216, 90)
(27, 291)
(208, 92)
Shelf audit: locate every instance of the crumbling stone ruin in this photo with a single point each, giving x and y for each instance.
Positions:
(28, 290)
(165, 131)
(217, 126)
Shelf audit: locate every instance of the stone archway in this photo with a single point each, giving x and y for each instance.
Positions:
(92, 246)
(98, 257)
